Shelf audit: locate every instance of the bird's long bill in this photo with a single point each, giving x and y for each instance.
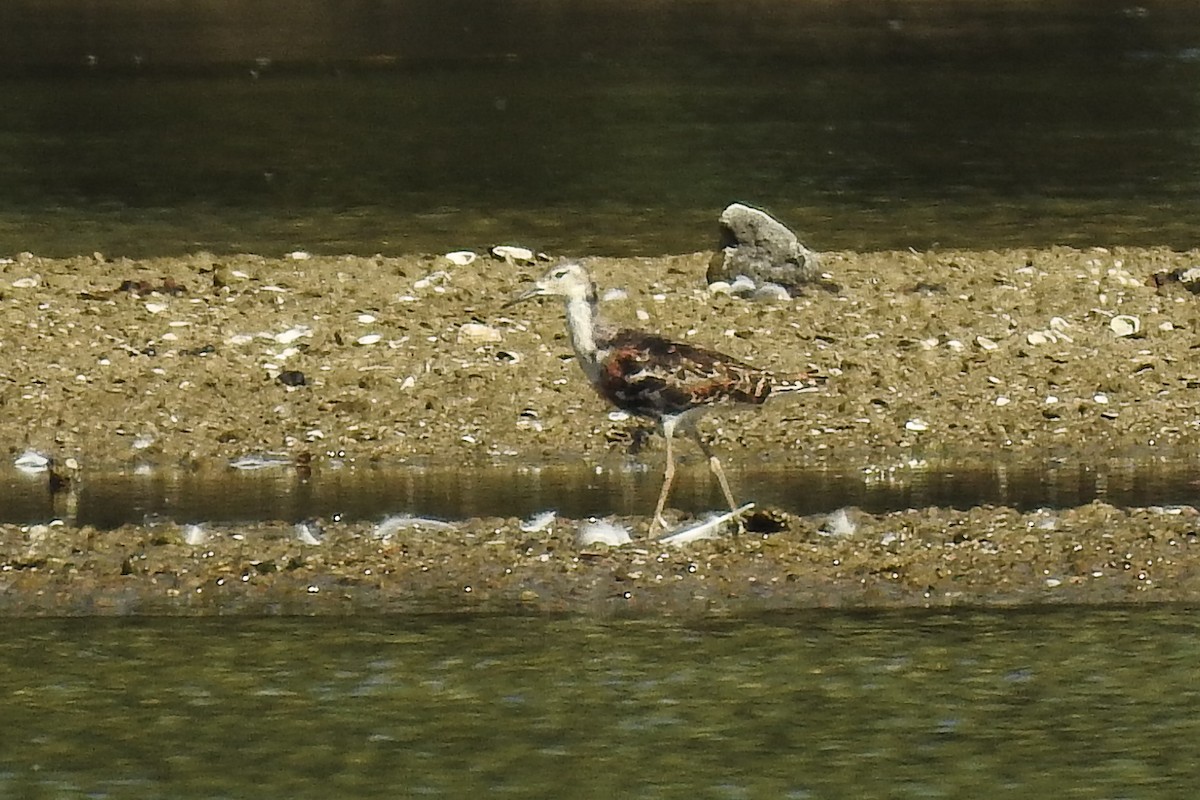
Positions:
(532, 291)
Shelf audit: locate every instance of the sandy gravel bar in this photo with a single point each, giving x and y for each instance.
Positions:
(191, 363)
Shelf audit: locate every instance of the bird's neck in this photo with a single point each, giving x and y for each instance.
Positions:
(583, 323)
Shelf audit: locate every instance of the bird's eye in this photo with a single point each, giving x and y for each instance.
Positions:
(559, 273)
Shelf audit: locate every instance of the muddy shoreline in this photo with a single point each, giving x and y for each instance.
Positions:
(323, 364)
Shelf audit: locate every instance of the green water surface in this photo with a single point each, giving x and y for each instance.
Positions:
(1068, 702)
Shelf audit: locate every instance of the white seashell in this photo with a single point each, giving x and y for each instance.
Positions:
(307, 533)
(838, 524)
(25, 283)
(292, 334)
(915, 424)
(1100, 398)
(32, 462)
(507, 252)
(368, 339)
(955, 345)
(256, 462)
(461, 258)
(390, 526)
(299, 255)
(601, 532)
(478, 334)
(720, 287)
(1059, 324)
(366, 319)
(194, 535)
(618, 416)
(1125, 325)
(156, 308)
(708, 529)
(986, 344)
(539, 522)
(1037, 338)
(1002, 401)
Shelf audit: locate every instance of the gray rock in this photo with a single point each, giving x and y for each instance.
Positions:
(755, 244)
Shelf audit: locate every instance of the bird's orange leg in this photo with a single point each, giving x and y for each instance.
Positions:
(668, 476)
(714, 464)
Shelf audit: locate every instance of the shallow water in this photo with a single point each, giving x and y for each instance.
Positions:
(107, 500)
(590, 129)
(1042, 703)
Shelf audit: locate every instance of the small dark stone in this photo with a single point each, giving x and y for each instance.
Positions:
(292, 377)
(755, 244)
(765, 521)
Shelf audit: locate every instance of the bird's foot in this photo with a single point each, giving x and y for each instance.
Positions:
(658, 524)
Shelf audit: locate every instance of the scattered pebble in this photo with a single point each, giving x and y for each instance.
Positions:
(369, 339)
(475, 333)
(771, 293)
(433, 279)
(291, 378)
(916, 424)
(1125, 325)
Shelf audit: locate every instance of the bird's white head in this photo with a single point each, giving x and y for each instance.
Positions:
(568, 280)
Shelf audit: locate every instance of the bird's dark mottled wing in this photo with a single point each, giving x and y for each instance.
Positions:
(652, 376)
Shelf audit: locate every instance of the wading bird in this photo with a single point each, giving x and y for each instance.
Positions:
(672, 383)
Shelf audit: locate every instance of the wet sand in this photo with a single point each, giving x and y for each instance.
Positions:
(194, 362)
